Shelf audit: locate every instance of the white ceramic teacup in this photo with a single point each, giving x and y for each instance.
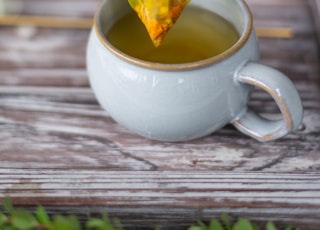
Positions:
(179, 102)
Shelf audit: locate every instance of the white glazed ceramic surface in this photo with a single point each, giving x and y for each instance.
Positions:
(181, 102)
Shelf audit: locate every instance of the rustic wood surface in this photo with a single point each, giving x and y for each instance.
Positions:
(58, 148)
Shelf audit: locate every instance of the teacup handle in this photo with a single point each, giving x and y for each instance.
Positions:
(283, 92)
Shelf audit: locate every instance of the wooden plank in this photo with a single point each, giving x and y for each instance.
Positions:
(315, 7)
(71, 8)
(45, 77)
(202, 192)
(63, 48)
(52, 135)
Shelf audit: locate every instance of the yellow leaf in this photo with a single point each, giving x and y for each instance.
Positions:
(158, 16)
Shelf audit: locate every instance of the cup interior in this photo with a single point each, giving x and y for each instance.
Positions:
(234, 11)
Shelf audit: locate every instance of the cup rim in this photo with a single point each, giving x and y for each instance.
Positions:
(178, 66)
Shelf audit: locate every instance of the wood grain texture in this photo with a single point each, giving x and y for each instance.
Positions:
(60, 149)
(200, 195)
(315, 6)
(70, 8)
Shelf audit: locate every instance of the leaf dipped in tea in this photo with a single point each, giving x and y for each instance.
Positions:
(158, 16)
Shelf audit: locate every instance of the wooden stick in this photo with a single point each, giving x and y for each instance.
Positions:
(44, 21)
(86, 23)
(274, 32)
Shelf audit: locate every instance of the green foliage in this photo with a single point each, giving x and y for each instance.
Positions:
(21, 219)
(241, 224)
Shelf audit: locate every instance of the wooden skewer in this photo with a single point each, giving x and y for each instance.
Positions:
(274, 32)
(83, 23)
(44, 21)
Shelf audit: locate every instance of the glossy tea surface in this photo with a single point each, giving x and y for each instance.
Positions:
(198, 34)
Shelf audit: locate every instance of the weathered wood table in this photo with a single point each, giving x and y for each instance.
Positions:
(58, 148)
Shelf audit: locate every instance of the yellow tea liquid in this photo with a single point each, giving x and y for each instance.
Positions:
(198, 34)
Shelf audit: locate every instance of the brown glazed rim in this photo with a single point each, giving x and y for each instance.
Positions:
(183, 66)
